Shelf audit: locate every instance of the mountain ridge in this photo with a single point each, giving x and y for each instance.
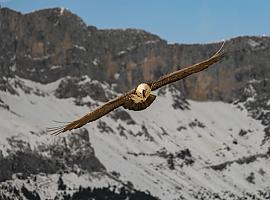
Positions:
(67, 46)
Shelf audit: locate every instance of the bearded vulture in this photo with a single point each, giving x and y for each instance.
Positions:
(140, 97)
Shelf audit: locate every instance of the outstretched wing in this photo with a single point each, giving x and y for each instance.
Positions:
(92, 116)
(182, 73)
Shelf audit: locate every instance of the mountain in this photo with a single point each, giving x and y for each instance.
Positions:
(206, 137)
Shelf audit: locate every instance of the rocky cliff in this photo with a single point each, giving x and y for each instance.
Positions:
(46, 45)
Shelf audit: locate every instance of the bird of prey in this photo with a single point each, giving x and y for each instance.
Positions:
(140, 97)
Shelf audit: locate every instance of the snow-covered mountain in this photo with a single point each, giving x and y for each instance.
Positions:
(204, 149)
(178, 148)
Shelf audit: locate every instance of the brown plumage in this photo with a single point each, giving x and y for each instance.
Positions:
(140, 97)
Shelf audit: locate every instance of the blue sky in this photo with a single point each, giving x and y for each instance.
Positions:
(182, 21)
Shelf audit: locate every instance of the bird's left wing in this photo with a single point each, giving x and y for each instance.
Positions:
(92, 116)
(182, 73)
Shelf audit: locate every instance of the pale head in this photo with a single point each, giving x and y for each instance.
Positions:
(143, 90)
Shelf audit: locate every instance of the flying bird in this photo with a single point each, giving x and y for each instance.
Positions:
(140, 97)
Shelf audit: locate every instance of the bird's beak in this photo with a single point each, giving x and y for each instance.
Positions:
(143, 92)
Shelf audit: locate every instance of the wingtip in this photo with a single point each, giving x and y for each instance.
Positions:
(221, 50)
(55, 130)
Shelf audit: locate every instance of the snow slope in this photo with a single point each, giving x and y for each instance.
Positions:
(166, 151)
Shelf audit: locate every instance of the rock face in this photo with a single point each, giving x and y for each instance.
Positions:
(67, 153)
(46, 45)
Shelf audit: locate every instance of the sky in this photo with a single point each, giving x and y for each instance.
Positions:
(177, 21)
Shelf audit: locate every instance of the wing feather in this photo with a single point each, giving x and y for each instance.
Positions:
(182, 73)
(91, 116)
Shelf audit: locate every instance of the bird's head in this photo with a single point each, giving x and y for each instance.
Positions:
(143, 90)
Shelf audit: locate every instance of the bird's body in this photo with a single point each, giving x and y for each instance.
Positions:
(140, 97)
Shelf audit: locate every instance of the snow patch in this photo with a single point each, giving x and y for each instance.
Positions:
(62, 10)
(85, 79)
(116, 76)
(96, 62)
(151, 42)
(79, 47)
(253, 43)
(54, 67)
(121, 53)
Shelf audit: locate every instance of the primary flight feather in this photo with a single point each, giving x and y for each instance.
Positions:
(140, 97)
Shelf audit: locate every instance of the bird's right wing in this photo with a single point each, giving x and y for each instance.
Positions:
(92, 116)
(182, 73)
